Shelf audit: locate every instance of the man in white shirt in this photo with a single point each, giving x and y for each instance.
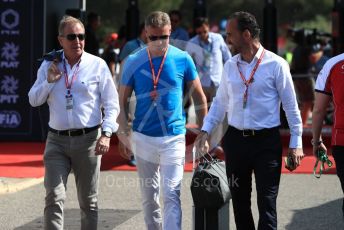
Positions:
(253, 84)
(76, 86)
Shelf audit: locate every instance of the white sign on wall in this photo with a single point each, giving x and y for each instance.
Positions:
(9, 53)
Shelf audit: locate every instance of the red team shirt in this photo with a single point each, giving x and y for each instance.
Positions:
(330, 81)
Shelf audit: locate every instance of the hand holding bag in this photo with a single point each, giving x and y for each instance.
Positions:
(209, 185)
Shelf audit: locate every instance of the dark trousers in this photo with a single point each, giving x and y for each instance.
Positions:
(261, 154)
(338, 155)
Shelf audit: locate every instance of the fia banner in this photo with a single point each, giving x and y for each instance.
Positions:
(16, 58)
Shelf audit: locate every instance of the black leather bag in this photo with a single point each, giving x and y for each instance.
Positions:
(209, 185)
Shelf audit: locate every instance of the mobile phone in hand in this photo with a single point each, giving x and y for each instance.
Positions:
(289, 163)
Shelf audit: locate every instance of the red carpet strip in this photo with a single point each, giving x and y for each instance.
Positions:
(25, 159)
(21, 159)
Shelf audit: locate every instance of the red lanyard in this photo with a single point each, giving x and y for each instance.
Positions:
(156, 77)
(250, 80)
(69, 85)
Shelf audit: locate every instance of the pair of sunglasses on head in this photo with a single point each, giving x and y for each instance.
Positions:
(72, 37)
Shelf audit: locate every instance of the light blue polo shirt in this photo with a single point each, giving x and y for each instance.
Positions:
(166, 117)
(130, 47)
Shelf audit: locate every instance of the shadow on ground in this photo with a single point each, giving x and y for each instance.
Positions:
(108, 219)
(326, 216)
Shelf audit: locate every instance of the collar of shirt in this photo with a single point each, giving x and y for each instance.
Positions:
(141, 43)
(202, 43)
(256, 56)
(66, 60)
(175, 33)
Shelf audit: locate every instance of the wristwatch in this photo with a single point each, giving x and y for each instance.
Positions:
(107, 134)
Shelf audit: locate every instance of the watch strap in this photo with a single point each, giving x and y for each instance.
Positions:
(106, 133)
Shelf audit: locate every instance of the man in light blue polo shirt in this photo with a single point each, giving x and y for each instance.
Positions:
(158, 75)
(209, 52)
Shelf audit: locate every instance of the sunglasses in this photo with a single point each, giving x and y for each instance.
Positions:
(155, 38)
(72, 37)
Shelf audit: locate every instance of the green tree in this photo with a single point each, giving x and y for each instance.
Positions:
(297, 13)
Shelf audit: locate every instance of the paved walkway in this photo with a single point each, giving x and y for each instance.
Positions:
(12, 185)
(304, 203)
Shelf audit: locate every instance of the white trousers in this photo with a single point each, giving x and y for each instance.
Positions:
(160, 160)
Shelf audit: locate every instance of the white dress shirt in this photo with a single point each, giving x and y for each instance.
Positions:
(272, 84)
(209, 57)
(92, 90)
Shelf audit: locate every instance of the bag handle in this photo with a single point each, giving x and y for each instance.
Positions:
(199, 155)
(195, 153)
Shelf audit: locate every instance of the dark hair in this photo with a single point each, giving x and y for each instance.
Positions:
(246, 21)
(200, 21)
(175, 12)
(91, 17)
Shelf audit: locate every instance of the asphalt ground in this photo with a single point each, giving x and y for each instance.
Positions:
(304, 202)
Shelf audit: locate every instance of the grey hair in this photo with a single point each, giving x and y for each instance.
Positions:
(68, 20)
(157, 19)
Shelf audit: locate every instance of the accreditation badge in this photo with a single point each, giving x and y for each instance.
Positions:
(69, 101)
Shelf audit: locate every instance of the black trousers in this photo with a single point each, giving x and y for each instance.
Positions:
(338, 155)
(260, 154)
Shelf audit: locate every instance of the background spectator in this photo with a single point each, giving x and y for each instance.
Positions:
(92, 41)
(303, 82)
(110, 55)
(179, 36)
(134, 44)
